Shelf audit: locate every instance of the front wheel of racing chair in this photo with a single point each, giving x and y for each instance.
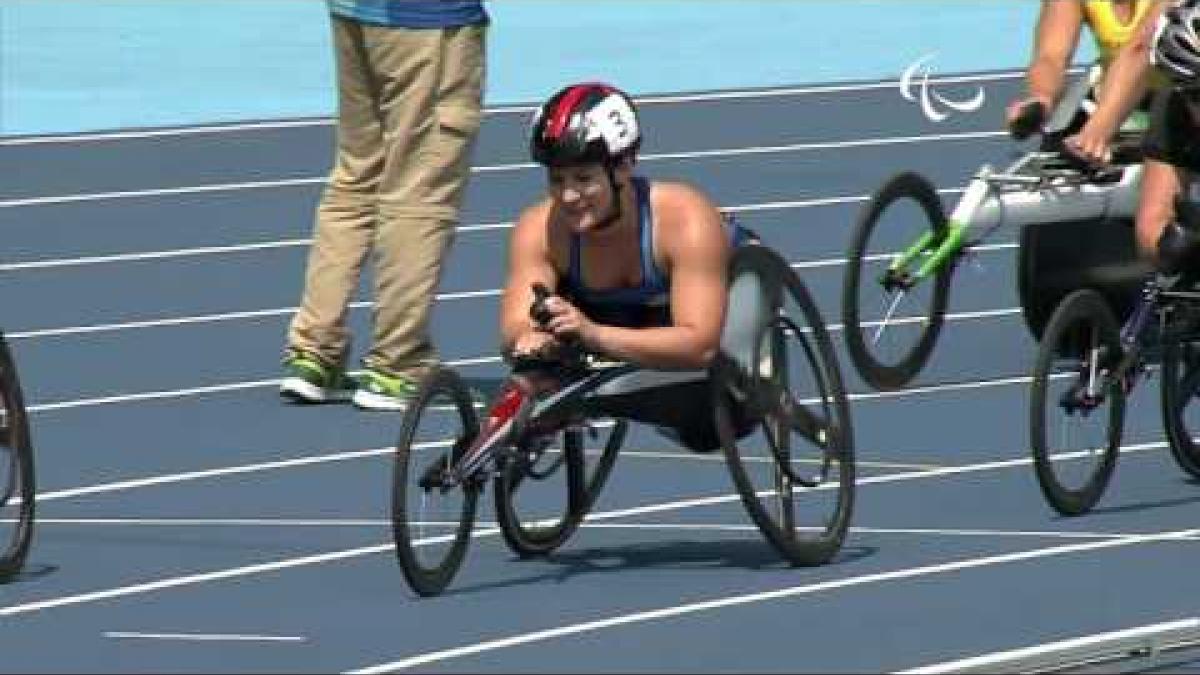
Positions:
(542, 492)
(894, 292)
(1076, 403)
(1180, 397)
(433, 510)
(781, 411)
(17, 500)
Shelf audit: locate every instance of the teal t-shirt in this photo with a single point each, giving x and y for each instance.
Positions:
(412, 13)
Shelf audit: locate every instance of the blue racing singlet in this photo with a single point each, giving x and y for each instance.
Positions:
(649, 303)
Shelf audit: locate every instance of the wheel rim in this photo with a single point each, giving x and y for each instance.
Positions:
(1078, 406)
(434, 513)
(1181, 404)
(794, 469)
(16, 472)
(891, 314)
(540, 509)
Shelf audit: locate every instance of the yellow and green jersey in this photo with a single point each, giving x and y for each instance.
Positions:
(1111, 34)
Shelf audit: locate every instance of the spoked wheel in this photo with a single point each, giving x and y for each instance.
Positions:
(892, 311)
(547, 486)
(16, 470)
(1180, 394)
(1077, 408)
(782, 413)
(432, 512)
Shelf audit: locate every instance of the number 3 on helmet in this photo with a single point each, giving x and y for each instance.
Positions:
(585, 124)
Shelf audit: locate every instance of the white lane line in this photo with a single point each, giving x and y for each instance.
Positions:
(153, 255)
(231, 573)
(441, 297)
(700, 527)
(718, 458)
(779, 594)
(869, 480)
(747, 94)
(214, 318)
(481, 360)
(159, 192)
(166, 479)
(193, 579)
(517, 166)
(992, 663)
(119, 486)
(464, 229)
(203, 637)
(932, 532)
(364, 304)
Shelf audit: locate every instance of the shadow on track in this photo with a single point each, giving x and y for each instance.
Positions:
(680, 555)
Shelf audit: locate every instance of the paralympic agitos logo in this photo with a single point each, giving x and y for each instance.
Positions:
(935, 106)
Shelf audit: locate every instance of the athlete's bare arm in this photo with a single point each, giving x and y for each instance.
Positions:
(1057, 36)
(1124, 85)
(529, 262)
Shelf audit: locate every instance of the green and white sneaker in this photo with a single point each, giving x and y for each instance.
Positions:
(379, 391)
(308, 380)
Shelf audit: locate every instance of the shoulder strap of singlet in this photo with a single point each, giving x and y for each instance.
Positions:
(652, 276)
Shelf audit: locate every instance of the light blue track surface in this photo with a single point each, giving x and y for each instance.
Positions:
(74, 65)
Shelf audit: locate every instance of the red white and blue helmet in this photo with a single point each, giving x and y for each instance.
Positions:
(585, 123)
(1176, 49)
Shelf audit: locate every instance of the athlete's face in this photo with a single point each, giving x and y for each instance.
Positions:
(583, 195)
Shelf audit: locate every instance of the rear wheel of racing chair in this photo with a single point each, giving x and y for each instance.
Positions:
(433, 511)
(17, 500)
(892, 312)
(1077, 409)
(781, 411)
(547, 486)
(1180, 394)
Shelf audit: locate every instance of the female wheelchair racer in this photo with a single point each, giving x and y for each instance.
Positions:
(774, 394)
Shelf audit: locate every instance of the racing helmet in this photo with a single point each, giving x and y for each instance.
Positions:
(585, 123)
(1176, 47)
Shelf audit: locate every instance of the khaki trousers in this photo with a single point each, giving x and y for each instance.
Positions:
(409, 110)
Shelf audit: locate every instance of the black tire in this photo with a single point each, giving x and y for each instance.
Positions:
(1179, 387)
(794, 396)
(422, 455)
(864, 274)
(565, 480)
(1080, 344)
(17, 501)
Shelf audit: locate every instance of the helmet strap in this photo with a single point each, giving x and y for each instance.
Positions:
(614, 214)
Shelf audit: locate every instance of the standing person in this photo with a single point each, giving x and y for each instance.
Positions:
(410, 77)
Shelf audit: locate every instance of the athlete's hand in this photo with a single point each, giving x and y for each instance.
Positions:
(536, 344)
(567, 323)
(1018, 107)
(1090, 146)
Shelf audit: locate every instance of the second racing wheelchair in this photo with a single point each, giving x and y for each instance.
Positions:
(780, 413)
(905, 248)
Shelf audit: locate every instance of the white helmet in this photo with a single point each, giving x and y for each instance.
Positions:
(1177, 44)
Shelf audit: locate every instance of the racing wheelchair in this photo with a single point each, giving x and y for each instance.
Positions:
(16, 470)
(1119, 319)
(778, 410)
(904, 248)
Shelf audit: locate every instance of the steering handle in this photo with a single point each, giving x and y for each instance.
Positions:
(538, 311)
(1029, 121)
